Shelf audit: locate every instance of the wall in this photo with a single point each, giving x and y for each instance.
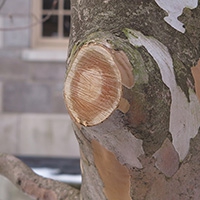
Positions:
(33, 117)
(32, 107)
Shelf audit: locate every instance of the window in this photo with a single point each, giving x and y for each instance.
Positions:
(54, 31)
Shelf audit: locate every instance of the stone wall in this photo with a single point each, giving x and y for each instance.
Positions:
(30, 87)
(33, 117)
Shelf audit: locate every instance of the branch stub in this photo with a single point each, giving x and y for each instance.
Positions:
(93, 85)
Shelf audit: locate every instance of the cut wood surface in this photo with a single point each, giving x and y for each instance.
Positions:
(93, 85)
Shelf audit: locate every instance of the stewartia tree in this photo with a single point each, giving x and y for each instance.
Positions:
(132, 90)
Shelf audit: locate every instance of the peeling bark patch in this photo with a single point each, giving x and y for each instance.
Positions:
(115, 177)
(174, 9)
(120, 141)
(182, 112)
(196, 75)
(167, 159)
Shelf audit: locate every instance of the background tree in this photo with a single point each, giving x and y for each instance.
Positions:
(132, 89)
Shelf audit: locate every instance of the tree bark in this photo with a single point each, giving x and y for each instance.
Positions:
(132, 90)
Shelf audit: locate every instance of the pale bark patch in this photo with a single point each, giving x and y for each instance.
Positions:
(174, 9)
(115, 176)
(118, 140)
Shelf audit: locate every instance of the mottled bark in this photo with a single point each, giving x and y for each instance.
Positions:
(150, 150)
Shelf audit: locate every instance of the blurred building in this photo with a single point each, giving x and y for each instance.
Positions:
(33, 52)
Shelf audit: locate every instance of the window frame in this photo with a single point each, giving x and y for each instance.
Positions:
(37, 40)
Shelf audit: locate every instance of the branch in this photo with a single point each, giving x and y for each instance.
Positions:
(28, 182)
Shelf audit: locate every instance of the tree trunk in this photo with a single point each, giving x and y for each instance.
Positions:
(133, 92)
